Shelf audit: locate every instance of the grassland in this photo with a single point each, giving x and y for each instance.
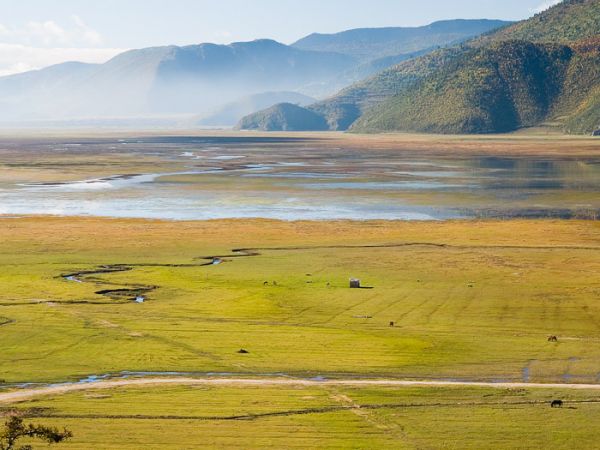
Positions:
(468, 302)
(478, 304)
(182, 417)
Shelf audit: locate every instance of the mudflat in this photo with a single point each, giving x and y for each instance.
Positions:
(310, 176)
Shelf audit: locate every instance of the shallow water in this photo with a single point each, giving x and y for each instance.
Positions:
(73, 279)
(243, 177)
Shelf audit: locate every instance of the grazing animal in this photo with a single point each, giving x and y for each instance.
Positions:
(266, 283)
(274, 283)
(556, 404)
(392, 324)
(553, 339)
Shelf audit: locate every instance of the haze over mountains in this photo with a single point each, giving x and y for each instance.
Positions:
(166, 80)
(542, 71)
(232, 112)
(368, 44)
(203, 79)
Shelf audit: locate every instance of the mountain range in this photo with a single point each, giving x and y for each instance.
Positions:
(368, 44)
(202, 79)
(166, 80)
(541, 71)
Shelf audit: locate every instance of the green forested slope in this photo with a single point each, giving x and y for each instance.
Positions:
(544, 68)
(569, 21)
(283, 117)
(489, 89)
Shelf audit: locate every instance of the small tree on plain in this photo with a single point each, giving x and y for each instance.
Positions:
(15, 430)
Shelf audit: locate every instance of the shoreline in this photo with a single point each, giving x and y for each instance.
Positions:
(519, 144)
(250, 220)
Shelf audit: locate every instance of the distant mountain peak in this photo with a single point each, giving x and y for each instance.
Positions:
(197, 79)
(374, 43)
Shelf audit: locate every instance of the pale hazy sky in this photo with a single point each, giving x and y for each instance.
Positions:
(37, 33)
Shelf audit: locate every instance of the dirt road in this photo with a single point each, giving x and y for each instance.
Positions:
(30, 393)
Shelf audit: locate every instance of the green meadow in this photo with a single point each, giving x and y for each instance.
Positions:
(471, 303)
(467, 303)
(182, 417)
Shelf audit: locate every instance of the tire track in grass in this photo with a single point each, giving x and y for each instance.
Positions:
(143, 335)
(409, 311)
(466, 302)
(440, 303)
(366, 413)
(403, 299)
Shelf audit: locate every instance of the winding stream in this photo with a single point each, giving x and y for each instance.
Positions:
(126, 292)
(139, 293)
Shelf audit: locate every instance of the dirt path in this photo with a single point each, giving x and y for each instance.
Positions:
(30, 393)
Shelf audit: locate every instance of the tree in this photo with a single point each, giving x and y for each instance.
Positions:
(15, 429)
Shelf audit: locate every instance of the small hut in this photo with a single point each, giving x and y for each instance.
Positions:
(354, 283)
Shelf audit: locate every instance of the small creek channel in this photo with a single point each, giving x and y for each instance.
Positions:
(126, 292)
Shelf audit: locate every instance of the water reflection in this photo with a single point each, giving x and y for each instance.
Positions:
(275, 178)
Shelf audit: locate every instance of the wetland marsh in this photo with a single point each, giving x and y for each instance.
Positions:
(286, 178)
(197, 304)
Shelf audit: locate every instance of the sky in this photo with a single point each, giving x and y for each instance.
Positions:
(39, 33)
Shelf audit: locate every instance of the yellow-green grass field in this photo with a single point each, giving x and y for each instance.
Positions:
(185, 417)
(481, 306)
(469, 301)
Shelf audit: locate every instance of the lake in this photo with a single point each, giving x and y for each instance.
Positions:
(292, 179)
